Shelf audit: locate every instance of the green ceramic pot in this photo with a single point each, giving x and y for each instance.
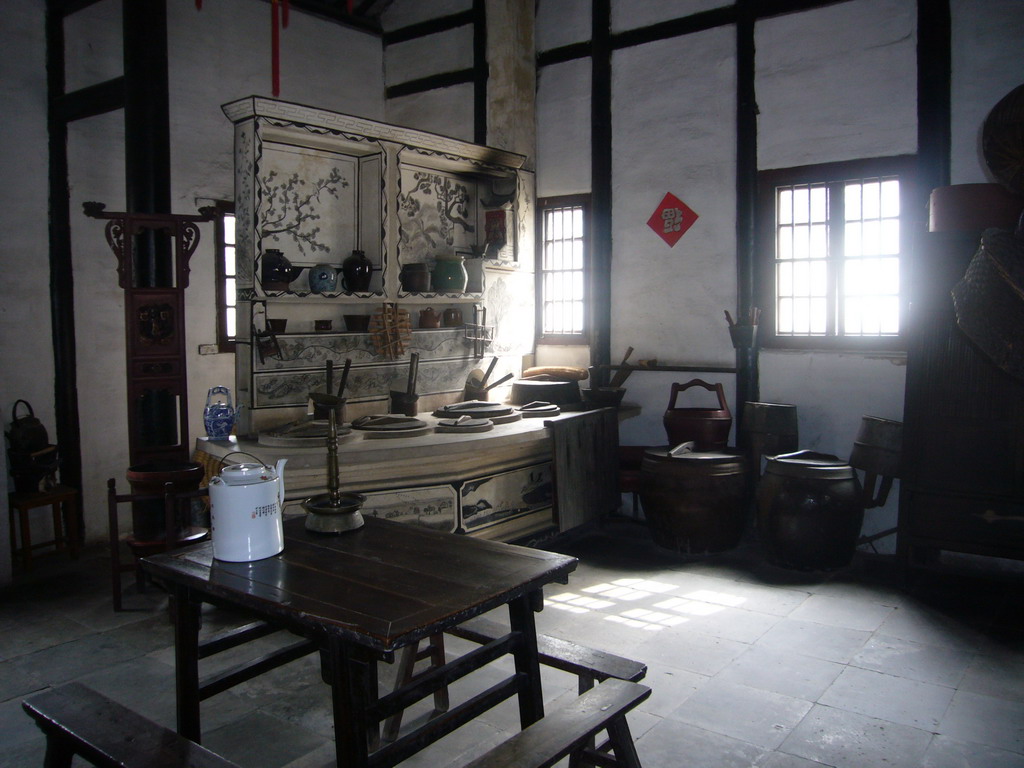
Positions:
(449, 275)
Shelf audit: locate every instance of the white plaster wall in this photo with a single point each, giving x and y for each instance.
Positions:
(447, 51)
(26, 370)
(217, 55)
(673, 110)
(447, 111)
(632, 14)
(563, 129)
(837, 83)
(988, 51)
(402, 13)
(562, 22)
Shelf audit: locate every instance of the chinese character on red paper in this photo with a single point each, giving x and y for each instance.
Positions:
(671, 219)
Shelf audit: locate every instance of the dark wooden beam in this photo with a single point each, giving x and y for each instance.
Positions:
(601, 183)
(934, 88)
(481, 72)
(90, 101)
(686, 25)
(747, 378)
(147, 136)
(62, 8)
(335, 12)
(563, 54)
(431, 82)
(431, 27)
(62, 288)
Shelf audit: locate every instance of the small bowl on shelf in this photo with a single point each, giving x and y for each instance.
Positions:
(603, 397)
(322, 326)
(357, 323)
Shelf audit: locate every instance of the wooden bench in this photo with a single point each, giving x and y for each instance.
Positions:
(588, 664)
(79, 721)
(570, 729)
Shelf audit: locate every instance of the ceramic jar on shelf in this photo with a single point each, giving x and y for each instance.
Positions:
(415, 277)
(449, 274)
(356, 271)
(323, 278)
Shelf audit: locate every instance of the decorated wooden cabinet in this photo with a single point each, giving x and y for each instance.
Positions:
(348, 232)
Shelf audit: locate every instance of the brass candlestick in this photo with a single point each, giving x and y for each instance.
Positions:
(334, 511)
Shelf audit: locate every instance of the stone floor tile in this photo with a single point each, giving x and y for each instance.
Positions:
(916, 661)
(885, 697)
(998, 676)
(842, 612)
(945, 752)
(278, 744)
(819, 641)
(924, 624)
(985, 720)
(846, 740)
(670, 687)
(691, 651)
(782, 760)
(749, 714)
(784, 672)
(672, 744)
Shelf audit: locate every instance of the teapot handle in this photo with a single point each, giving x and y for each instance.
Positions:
(219, 390)
(223, 459)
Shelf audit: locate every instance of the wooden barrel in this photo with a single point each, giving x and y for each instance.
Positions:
(809, 511)
(694, 503)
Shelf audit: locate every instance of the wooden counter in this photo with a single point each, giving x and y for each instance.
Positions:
(495, 484)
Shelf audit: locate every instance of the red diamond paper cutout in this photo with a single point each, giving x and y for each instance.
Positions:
(671, 219)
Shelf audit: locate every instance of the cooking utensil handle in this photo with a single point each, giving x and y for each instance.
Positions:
(344, 375)
(716, 388)
(502, 380)
(490, 369)
(414, 362)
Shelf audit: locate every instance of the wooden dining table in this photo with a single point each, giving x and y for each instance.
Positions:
(357, 597)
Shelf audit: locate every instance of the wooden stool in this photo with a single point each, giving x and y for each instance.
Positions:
(65, 532)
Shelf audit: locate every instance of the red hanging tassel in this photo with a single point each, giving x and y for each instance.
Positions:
(199, 5)
(284, 14)
(275, 53)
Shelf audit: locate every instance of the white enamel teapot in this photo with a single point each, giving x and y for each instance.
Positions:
(246, 503)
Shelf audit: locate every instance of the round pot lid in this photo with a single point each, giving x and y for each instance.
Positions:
(247, 474)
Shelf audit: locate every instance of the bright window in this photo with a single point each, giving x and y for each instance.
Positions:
(224, 235)
(834, 241)
(562, 269)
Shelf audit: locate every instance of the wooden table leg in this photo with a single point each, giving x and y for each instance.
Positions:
(531, 697)
(350, 677)
(185, 612)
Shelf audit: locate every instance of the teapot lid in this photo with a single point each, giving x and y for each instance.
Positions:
(247, 473)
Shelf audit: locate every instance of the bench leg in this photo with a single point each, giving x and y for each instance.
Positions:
(405, 675)
(622, 743)
(58, 753)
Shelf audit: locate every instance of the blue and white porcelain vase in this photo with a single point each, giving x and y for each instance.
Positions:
(323, 278)
(218, 415)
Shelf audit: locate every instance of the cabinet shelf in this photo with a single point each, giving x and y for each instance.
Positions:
(447, 298)
(310, 297)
